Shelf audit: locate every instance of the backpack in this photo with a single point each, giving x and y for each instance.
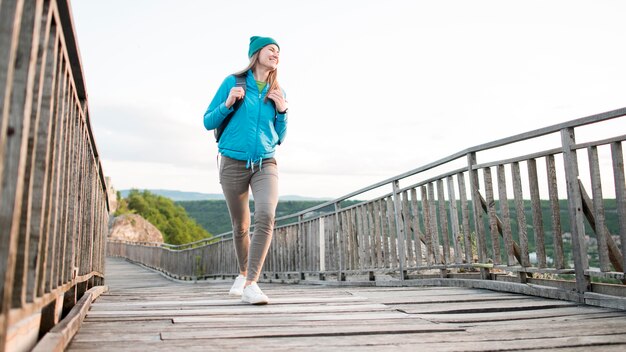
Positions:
(241, 82)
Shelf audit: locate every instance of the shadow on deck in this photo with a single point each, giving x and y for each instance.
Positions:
(145, 311)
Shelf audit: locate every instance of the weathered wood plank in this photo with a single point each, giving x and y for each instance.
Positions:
(342, 246)
(395, 327)
(598, 209)
(353, 246)
(69, 202)
(338, 249)
(418, 300)
(521, 215)
(380, 254)
(43, 258)
(417, 233)
(454, 222)
(32, 15)
(306, 318)
(479, 226)
(371, 234)
(467, 244)
(408, 235)
(193, 301)
(493, 222)
(241, 309)
(331, 232)
(434, 231)
(391, 234)
(615, 256)
(243, 323)
(574, 203)
(592, 317)
(557, 237)
(481, 307)
(399, 228)
(58, 172)
(302, 331)
(617, 158)
(507, 232)
(422, 291)
(540, 247)
(430, 253)
(364, 238)
(443, 220)
(436, 341)
(16, 35)
(297, 233)
(500, 316)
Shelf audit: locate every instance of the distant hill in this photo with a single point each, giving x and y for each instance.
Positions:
(179, 195)
(192, 196)
(303, 199)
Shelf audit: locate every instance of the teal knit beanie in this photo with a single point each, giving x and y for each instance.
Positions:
(257, 43)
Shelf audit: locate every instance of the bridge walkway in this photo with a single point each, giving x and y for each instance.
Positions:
(143, 310)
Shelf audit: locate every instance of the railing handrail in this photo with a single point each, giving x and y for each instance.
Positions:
(478, 148)
(74, 57)
(54, 200)
(481, 147)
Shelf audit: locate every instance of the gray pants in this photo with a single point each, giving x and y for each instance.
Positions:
(236, 181)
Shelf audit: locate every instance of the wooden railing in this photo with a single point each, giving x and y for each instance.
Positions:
(459, 222)
(54, 206)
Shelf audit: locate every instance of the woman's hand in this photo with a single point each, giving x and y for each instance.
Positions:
(235, 94)
(279, 100)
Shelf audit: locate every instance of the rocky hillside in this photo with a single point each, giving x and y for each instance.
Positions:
(133, 228)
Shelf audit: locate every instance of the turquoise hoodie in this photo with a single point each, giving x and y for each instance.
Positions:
(254, 130)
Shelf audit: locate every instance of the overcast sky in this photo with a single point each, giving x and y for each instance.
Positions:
(375, 88)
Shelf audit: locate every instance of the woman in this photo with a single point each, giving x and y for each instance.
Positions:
(247, 146)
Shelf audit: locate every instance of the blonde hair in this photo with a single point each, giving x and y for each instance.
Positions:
(272, 77)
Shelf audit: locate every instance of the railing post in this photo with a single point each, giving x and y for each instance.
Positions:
(397, 210)
(575, 208)
(620, 193)
(322, 242)
(479, 225)
(340, 274)
(300, 247)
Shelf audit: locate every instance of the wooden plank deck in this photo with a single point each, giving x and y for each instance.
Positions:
(143, 311)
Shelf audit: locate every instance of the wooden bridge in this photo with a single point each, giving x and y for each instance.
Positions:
(144, 310)
(453, 255)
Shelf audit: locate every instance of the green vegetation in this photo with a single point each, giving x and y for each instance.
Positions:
(212, 215)
(171, 219)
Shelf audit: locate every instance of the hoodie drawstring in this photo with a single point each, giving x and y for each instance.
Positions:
(250, 164)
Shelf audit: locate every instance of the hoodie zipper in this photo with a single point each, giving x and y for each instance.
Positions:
(258, 118)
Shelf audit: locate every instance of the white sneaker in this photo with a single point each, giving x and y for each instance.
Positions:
(252, 294)
(237, 288)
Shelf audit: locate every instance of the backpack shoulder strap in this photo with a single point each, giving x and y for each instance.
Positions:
(240, 81)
